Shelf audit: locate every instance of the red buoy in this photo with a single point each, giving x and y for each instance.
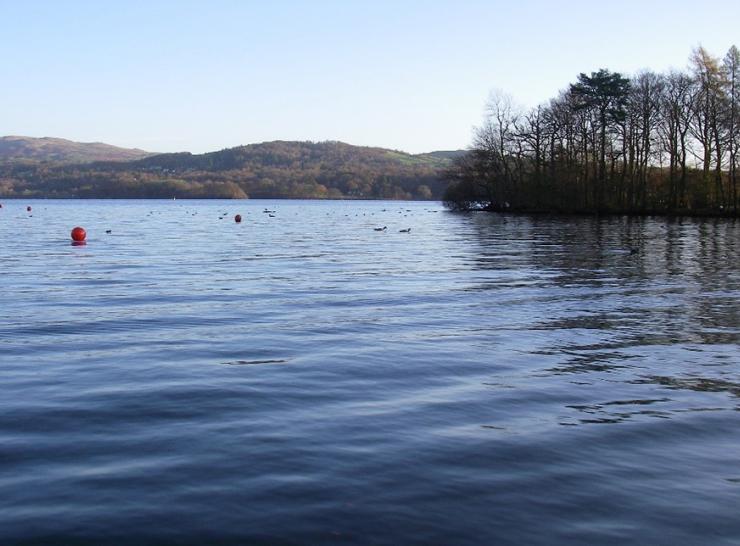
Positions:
(28, 208)
(238, 218)
(78, 234)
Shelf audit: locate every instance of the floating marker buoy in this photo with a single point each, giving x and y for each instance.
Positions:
(78, 234)
(238, 218)
(28, 208)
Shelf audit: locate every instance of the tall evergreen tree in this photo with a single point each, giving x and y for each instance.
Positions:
(604, 93)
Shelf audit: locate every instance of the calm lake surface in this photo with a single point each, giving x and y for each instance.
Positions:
(304, 379)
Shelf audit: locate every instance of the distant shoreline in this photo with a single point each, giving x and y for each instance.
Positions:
(610, 213)
(503, 211)
(236, 199)
(278, 169)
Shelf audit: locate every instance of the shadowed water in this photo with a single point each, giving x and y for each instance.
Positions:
(304, 379)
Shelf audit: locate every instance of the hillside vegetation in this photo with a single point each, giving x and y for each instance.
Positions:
(267, 170)
(20, 149)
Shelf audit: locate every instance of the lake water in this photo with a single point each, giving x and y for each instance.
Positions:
(301, 378)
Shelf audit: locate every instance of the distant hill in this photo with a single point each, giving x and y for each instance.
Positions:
(444, 155)
(279, 169)
(295, 154)
(20, 149)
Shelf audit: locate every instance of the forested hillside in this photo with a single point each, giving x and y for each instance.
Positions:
(268, 170)
(20, 149)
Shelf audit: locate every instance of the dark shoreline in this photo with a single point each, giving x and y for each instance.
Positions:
(610, 213)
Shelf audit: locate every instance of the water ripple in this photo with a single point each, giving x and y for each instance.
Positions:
(304, 379)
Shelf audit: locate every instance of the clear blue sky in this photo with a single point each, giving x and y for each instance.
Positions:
(410, 75)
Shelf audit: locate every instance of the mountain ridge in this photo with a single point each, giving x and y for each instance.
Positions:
(17, 148)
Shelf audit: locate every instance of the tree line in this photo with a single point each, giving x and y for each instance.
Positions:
(652, 143)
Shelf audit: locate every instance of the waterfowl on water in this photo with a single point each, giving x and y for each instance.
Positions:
(381, 228)
(408, 230)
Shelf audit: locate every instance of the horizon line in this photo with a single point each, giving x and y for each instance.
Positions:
(46, 137)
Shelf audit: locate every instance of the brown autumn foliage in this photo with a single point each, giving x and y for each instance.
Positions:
(295, 170)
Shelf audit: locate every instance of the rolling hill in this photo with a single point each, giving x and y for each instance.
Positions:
(279, 169)
(20, 149)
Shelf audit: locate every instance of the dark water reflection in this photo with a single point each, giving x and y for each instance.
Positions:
(305, 379)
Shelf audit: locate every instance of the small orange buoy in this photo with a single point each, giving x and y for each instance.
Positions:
(78, 234)
(28, 208)
(238, 218)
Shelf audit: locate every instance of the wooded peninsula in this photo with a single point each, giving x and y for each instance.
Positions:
(650, 144)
